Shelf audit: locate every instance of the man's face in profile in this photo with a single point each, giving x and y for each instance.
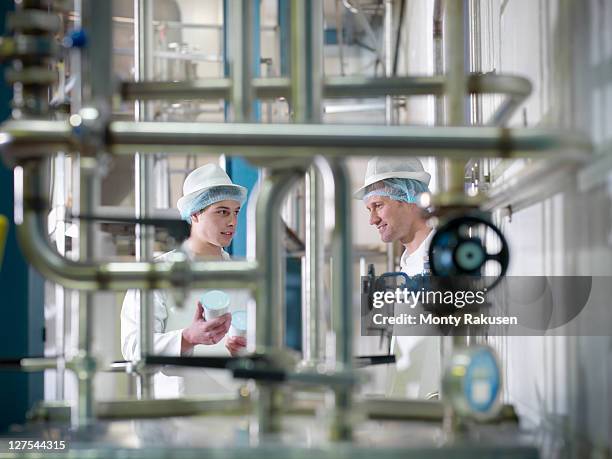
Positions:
(391, 218)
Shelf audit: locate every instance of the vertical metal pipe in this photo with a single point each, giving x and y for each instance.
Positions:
(143, 65)
(438, 51)
(456, 42)
(284, 7)
(340, 34)
(342, 296)
(388, 34)
(269, 297)
(306, 60)
(306, 101)
(83, 413)
(97, 19)
(312, 275)
(438, 40)
(76, 95)
(240, 46)
(242, 62)
(60, 292)
(456, 83)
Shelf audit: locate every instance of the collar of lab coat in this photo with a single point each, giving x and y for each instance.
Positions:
(186, 247)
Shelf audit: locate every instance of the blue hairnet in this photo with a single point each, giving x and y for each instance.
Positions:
(210, 196)
(399, 189)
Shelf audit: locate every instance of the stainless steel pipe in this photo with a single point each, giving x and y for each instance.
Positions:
(269, 250)
(88, 194)
(270, 312)
(456, 85)
(305, 141)
(306, 103)
(334, 87)
(313, 322)
(143, 190)
(342, 296)
(241, 57)
(298, 140)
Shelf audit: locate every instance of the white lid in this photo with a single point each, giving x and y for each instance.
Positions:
(215, 299)
(239, 320)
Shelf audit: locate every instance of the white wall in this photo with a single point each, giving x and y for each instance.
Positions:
(561, 385)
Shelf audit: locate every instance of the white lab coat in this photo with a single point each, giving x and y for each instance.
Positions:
(170, 321)
(418, 357)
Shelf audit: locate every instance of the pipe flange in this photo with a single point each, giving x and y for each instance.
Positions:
(83, 365)
(90, 128)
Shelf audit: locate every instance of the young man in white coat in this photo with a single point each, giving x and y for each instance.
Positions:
(210, 203)
(390, 191)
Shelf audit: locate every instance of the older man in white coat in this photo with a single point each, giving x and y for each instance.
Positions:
(391, 188)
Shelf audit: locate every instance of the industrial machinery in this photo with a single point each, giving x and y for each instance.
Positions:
(289, 407)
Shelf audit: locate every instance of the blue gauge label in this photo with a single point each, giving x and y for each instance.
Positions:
(482, 382)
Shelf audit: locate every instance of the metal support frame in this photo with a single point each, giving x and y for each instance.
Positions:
(27, 143)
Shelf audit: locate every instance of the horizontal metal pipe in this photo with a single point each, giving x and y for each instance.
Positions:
(307, 140)
(138, 409)
(40, 364)
(118, 275)
(210, 88)
(124, 275)
(271, 87)
(29, 136)
(355, 87)
(372, 408)
(333, 88)
(490, 83)
(300, 140)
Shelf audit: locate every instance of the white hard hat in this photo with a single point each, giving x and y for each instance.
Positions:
(204, 178)
(380, 168)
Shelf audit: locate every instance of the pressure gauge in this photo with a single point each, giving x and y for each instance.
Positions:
(472, 382)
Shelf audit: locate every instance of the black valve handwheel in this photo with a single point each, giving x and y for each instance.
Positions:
(457, 249)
